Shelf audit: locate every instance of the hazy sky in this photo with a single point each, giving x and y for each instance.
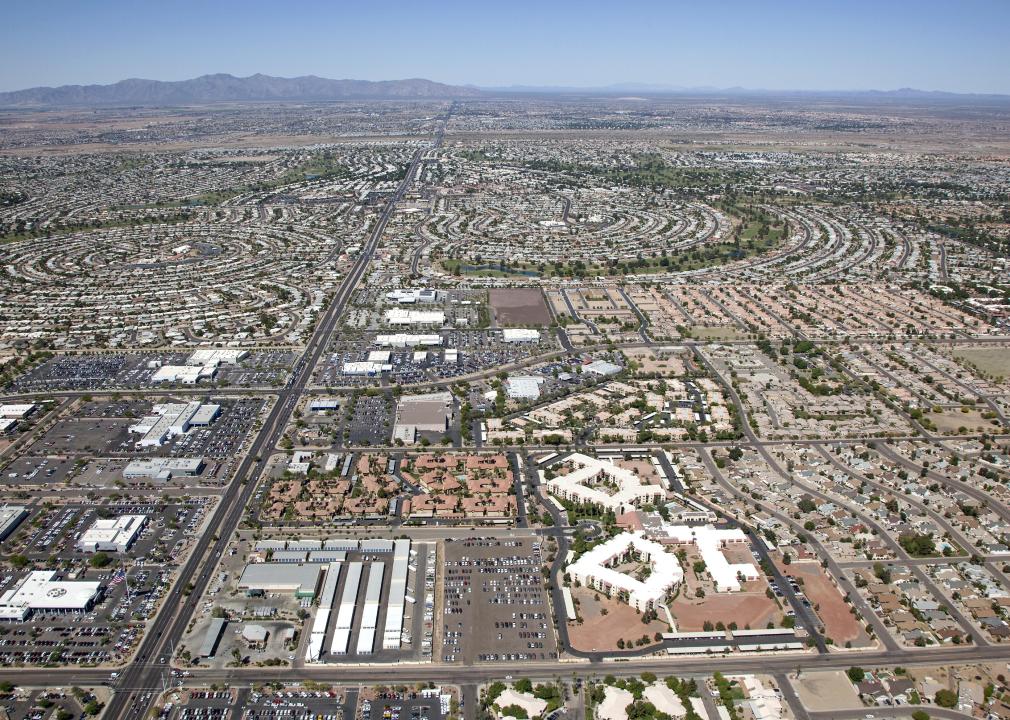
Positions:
(959, 45)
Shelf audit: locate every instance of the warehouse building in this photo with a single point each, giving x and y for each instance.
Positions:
(212, 638)
(112, 534)
(370, 611)
(217, 356)
(523, 387)
(185, 374)
(205, 415)
(399, 316)
(412, 296)
(375, 545)
(365, 368)
(289, 556)
(602, 368)
(10, 517)
(163, 468)
(348, 606)
(404, 340)
(417, 414)
(327, 404)
(317, 635)
(41, 590)
(172, 419)
(393, 631)
(17, 411)
(520, 335)
(300, 579)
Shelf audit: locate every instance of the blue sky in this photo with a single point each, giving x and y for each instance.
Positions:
(960, 45)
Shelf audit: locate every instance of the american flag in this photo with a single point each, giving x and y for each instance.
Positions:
(118, 577)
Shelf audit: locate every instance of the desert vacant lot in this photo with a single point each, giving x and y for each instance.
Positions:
(994, 361)
(607, 620)
(519, 306)
(839, 623)
(722, 332)
(953, 420)
(827, 691)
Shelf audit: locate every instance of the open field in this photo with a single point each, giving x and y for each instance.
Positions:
(605, 621)
(839, 622)
(520, 307)
(993, 361)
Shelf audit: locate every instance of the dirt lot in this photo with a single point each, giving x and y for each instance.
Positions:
(519, 306)
(600, 631)
(950, 421)
(643, 468)
(746, 609)
(649, 362)
(839, 624)
(726, 332)
(992, 360)
(824, 691)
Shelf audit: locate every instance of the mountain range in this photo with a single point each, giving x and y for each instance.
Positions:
(228, 88)
(308, 88)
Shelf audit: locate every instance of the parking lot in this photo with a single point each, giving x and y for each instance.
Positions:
(64, 640)
(36, 470)
(133, 583)
(391, 705)
(496, 607)
(371, 421)
(478, 350)
(36, 704)
(132, 371)
(54, 531)
(66, 372)
(299, 704)
(203, 705)
(101, 428)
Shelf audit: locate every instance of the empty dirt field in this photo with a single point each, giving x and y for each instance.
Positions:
(839, 624)
(827, 691)
(519, 306)
(747, 610)
(650, 362)
(601, 631)
(952, 421)
(722, 332)
(994, 361)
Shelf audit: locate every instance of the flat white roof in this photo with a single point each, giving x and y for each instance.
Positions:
(210, 356)
(118, 531)
(205, 414)
(576, 485)
(39, 590)
(666, 570)
(710, 542)
(398, 316)
(17, 411)
(520, 334)
(524, 386)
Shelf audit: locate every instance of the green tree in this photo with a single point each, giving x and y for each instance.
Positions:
(100, 560)
(946, 698)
